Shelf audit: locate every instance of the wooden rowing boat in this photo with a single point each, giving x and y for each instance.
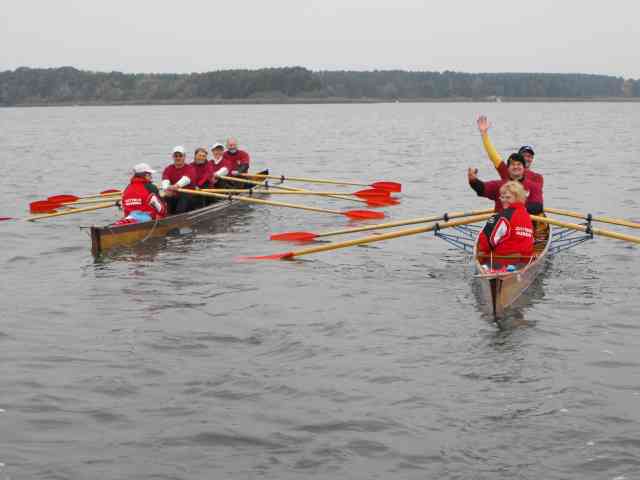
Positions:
(500, 289)
(112, 236)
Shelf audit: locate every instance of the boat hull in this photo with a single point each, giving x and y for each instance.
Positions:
(500, 290)
(109, 237)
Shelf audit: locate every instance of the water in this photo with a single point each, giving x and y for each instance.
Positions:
(172, 361)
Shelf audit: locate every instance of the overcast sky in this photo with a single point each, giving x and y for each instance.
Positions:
(203, 35)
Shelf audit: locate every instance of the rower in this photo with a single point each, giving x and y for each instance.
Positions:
(508, 233)
(178, 175)
(203, 176)
(526, 151)
(239, 159)
(516, 171)
(141, 200)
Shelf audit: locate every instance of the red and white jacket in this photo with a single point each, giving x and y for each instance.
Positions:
(237, 162)
(509, 232)
(138, 196)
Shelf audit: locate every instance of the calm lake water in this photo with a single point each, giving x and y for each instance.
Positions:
(173, 361)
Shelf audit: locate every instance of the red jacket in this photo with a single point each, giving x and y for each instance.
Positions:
(507, 233)
(203, 173)
(139, 196)
(239, 161)
(491, 190)
(227, 163)
(173, 174)
(503, 170)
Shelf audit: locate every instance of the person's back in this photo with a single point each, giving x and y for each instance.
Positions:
(140, 199)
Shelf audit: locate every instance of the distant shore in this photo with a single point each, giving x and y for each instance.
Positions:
(337, 100)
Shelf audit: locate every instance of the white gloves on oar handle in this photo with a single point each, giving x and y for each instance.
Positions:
(183, 182)
(223, 172)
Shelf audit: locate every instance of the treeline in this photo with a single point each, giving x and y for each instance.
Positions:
(29, 86)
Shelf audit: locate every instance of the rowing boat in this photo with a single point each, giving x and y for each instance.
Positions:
(112, 236)
(499, 287)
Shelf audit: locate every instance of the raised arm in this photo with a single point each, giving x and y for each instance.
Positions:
(492, 153)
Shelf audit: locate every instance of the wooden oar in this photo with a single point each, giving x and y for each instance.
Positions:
(73, 198)
(361, 193)
(44, 206)
(611, 220)
(372, 202)
(71, 212)
(370, 239)
(582, 228)
(354, 214)
(308, 236)
(389, 186)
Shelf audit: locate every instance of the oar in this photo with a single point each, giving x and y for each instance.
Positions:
(372, 193)
(308, 236)
(73, 198)
(354, 214)
(389, 186)
(582, 228)
(613, 221)
(71, 212)
(372, 202)
(370, 239)
(43, 206)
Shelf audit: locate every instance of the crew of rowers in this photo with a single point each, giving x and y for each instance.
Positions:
(143, 201)
(509, 235)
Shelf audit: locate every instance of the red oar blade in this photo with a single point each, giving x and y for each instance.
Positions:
(109, 191)
(2, 219)
(294, 236)
(382, 202)
(363, 214)
(275, 256)
(388, 186)
(372, 192)
(43, 206)
(62, 198)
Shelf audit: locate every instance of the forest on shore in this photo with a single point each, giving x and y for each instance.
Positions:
(68, 85)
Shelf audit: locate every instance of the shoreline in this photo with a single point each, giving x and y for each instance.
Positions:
(312, 101)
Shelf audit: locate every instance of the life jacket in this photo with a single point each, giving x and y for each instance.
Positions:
(139, 195)
(507, 233)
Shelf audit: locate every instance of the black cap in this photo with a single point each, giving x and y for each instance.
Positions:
(526, 148)
(516, 157)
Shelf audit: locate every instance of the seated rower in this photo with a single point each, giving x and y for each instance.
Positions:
(516, 172)
(510, 232)
(178, 175)
(526, 151)
(203, 170)
(237, 159)
(141, 200)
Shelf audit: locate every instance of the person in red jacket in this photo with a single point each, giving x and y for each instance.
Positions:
(141, 200)
(203, 170)
(509, 233)
(178, 175)
(237, 160)
(516, 170)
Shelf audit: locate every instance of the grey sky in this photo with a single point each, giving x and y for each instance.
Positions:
(189, 35)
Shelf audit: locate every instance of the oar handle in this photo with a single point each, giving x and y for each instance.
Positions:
(260, 201)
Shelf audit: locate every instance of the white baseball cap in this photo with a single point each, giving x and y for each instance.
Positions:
(143, 168)
(217, 145)
(178, 149)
